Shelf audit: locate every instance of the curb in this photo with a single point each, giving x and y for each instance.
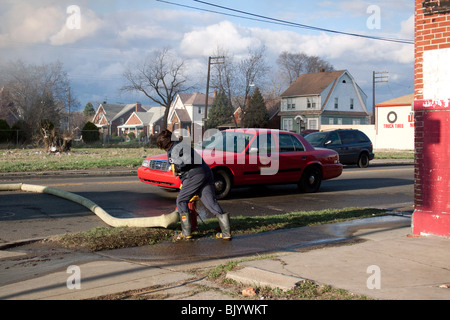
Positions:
(263, 278)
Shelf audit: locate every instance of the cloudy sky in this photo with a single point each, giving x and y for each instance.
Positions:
(97, 39)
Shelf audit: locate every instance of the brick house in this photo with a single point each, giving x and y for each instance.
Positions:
(149, 122)
(109, 116)
(273, 106)
(323, 98)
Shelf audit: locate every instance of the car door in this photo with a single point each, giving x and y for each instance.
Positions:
(349, 152)
(333, 141)
(260, 159)
(292, 158)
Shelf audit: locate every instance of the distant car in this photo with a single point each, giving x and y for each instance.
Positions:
(353, 146)
(242, 157)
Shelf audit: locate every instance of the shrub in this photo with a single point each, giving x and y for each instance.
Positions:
(90, 133)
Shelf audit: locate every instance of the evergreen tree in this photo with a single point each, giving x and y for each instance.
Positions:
(88, 110)
(256, 115)
(221, 111)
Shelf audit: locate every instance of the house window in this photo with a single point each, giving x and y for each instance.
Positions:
(310, 104)
(336, 103)
(200, 110)
(290, 104)
(339, 121)
(312, 124)
(331, 121)
(356, 122)
(351, 103)
(288, 124)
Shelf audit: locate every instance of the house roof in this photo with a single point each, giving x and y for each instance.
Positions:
(400, 101)
(273, 106)
(183, 115)
(312, 83)
(113, 111)
(195, 99)
(157, 113)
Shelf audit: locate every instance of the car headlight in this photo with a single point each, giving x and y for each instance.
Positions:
(146, 163)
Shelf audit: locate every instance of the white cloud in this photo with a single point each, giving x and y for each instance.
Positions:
(27, 24)
(31, 23)
(203, 41)
(90, 23)
(407, 28)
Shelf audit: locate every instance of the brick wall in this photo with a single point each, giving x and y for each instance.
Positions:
(432, 118)
(432, 31)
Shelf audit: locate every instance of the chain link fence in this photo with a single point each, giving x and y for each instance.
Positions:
(16, 138)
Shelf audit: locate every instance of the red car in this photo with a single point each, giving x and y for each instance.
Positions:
(243, 157)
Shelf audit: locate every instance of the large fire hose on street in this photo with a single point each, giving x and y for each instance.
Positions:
(164, 221)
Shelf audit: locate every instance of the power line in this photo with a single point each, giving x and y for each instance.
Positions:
(261, 18)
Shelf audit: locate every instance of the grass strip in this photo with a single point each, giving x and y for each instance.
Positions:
(105, 238)
(35, 160)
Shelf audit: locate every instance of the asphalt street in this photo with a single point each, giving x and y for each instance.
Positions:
(27, 215)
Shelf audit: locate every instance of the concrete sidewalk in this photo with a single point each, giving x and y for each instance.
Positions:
(390, 264)
(385, 263)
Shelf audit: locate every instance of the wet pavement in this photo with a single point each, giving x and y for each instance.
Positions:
(338, 255)
(290, 240)
(38, 270)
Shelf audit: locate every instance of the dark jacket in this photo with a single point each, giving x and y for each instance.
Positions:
(186, 159)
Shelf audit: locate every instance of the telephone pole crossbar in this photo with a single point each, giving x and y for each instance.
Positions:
(378, 77)
(212, 60)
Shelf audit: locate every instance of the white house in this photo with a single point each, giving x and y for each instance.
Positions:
(323, 98)
(188, 112)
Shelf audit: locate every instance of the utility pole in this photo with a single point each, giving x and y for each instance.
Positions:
(68, 118)
(212, 60)
(378, 77)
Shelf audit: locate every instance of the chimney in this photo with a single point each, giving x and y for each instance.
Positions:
(138, 105)
(214, 94)
(322, 70)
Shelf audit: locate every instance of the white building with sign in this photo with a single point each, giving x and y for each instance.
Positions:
(394, 125)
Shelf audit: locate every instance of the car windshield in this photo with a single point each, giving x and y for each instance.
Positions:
(228, 141)
(316, 138)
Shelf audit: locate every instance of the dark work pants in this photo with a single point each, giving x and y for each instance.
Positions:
(198, 182)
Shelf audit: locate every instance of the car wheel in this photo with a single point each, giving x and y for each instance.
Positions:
(222, 184)
(363, 161)
(311, 179)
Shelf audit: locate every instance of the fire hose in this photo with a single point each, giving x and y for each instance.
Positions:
(164, 221)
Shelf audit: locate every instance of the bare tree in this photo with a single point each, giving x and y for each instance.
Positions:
(292, 65)
(237, 79)
(161, 76)
(36, 93)
(252, 70)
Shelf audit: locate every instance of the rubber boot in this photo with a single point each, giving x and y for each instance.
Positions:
(186, 227)
(224, 223)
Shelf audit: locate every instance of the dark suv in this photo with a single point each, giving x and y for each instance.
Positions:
(353, 146)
